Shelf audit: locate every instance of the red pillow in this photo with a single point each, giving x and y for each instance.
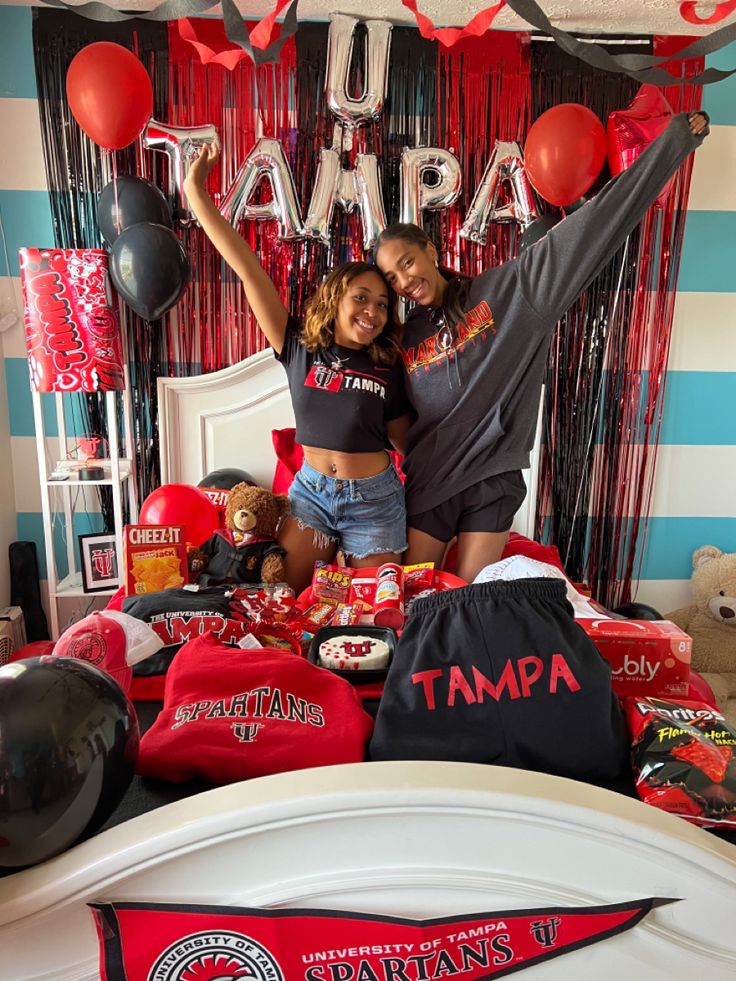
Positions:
(290, 456)
(231, 714)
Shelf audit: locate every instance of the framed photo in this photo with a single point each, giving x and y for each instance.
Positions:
(99, 561)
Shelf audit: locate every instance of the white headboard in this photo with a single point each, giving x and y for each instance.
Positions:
(225, 418)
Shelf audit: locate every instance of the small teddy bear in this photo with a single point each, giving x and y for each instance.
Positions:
(245, 551)
(711, 622)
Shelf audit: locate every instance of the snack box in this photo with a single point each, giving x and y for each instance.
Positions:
(155, 558)
(355, 677)
(647, 657)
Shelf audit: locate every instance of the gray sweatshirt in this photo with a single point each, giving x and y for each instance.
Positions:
(475, 387)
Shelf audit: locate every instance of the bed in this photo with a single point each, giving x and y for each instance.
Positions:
(409, 839)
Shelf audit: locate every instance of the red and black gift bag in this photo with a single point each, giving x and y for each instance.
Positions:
(499, 672)
(684, 759)
(231, 714)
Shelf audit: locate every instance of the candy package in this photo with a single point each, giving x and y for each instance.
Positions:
(683, 755)
(331, 583)
(418, 577)
(346, 615)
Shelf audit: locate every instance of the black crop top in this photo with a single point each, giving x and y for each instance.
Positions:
(342, 400)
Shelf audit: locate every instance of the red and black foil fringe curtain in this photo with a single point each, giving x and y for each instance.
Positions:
(607, 362)
(607, 368)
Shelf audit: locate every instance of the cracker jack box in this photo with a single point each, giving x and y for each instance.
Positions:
(155, 558)
(647, 657)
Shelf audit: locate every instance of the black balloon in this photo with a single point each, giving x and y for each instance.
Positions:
(226, 478)
(149, 268)
(638, 611)
(537, 229)
(128, 201)
(68, 747)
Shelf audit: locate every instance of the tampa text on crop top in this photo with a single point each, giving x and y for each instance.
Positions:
(342, 400)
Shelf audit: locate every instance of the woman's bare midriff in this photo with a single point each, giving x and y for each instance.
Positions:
(349, 466)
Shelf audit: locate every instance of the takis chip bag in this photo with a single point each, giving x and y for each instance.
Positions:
(684, 759)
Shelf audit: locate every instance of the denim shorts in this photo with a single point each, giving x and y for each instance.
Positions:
(364, 517)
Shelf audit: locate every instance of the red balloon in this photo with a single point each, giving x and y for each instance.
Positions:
(631, 130)
(181, 504)
(109, 93)
(700, 690)
(564, 152)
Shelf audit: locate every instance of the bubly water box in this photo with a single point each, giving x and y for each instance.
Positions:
(647, 657)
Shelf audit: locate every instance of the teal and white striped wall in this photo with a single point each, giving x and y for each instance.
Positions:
(695, 493)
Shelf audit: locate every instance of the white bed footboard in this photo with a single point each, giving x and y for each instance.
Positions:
(411, 839)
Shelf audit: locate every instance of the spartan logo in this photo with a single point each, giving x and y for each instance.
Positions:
(324, 377)
(545, 931)
(103, 561)
(246, 732)
(357, 650)
(215, 955)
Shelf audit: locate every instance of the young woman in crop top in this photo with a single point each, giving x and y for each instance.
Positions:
(347, 388)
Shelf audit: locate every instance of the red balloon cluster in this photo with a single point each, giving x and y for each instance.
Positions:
(110, 94)
(564, 152)
(182, 504)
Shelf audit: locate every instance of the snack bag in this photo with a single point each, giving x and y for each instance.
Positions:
(346, 615)
(331, 583)
(418, 577)
(683, 756)
(363, 590)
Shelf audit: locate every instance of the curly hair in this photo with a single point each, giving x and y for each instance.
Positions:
(455, 297)
(318, 330)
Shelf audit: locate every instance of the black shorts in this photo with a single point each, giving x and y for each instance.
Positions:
(500, 673)
(489, 505)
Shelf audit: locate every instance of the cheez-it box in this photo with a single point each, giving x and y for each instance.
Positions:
(155, 558)
(647, 657)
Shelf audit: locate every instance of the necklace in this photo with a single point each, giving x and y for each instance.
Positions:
(337, 362)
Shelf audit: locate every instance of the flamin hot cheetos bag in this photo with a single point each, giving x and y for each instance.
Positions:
(683, 755)
(231, 714)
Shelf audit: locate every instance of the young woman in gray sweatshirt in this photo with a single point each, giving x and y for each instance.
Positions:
(475, 352)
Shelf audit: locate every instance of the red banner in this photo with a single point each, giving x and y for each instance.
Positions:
(152, 942)
(72, 332)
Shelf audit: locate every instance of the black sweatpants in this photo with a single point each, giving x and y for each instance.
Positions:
(499, 672)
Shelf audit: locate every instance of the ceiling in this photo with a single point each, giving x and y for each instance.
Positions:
(589, 16)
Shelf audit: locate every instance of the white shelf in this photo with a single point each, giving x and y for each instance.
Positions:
(72, 586)
(119, 468)
(77, 482)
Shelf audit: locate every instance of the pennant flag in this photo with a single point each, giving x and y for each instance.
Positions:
(155, 942)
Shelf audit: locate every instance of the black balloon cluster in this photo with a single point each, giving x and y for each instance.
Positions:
(68, 747)
(148, 265)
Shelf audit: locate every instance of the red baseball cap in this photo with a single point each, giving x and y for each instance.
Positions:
(231, 714)
(111, 641)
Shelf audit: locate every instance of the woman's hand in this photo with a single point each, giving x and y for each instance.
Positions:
(698, 123)
(202, 165)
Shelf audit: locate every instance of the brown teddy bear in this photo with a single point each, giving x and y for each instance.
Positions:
(245, 551)
(711, 622)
